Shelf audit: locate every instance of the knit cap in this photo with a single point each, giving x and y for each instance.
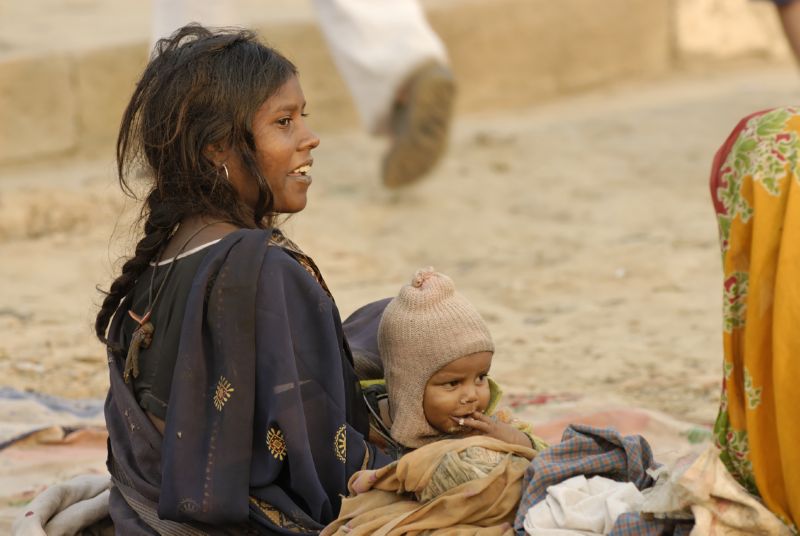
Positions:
(427, 326)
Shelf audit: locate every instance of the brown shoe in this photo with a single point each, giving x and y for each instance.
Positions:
(420, 125)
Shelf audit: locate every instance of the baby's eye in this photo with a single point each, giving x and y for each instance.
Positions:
(482, 378)
(453, 383)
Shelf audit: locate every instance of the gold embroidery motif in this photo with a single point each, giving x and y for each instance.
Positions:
(223, 393)
(340, 443)
(276, 443)
(277, 517)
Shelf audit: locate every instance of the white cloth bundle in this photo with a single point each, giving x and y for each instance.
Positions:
(582, 507)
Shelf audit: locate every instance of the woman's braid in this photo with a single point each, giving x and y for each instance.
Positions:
(159, 222)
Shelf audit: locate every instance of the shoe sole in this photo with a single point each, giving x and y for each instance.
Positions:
(422, 129)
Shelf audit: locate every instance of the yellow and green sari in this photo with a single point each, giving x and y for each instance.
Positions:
(755, 185)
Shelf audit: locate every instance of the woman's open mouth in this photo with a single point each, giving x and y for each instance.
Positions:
(302, 173)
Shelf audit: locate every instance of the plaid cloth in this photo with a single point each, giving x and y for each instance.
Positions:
(589, 451)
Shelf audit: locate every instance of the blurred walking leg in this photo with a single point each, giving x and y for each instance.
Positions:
(789, 12)
(397, 71)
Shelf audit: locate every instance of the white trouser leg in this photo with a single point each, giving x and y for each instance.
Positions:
(376, 44)
(169, 15)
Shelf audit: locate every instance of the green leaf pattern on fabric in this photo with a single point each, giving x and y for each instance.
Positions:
(734, 304)
(735, 452)
(723, 401)
(752, 392)
(772, 123)
(764, 150)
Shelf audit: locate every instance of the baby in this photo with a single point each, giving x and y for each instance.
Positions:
(437, 352)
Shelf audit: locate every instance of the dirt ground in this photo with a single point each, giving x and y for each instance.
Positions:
(582, 230)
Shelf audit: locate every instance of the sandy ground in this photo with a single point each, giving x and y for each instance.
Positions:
(581, 229)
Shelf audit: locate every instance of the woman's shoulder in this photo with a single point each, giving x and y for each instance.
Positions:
(279, 259)
(258, 244)
(247, 249)
(253, 257)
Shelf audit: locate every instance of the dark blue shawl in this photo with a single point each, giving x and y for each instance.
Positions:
(265, 422)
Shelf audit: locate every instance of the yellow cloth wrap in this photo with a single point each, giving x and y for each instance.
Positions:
(480, 506)
(756, 189)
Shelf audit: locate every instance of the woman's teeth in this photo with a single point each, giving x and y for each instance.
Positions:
(302, 170)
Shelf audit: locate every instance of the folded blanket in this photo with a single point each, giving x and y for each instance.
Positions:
(65, 509)
(461, 502)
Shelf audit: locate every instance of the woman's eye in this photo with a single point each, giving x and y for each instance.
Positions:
(284, 121)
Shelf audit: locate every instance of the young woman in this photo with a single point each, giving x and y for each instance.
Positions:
(233, 404)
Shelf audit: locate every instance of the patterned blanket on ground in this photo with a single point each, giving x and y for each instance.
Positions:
(45, 440)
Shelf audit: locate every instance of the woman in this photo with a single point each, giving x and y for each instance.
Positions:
(755, 184)
(233, 404)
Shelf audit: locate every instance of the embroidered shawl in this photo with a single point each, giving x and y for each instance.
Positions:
(265, 422)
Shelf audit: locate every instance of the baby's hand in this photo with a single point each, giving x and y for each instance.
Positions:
(364, 481)
(495, 428)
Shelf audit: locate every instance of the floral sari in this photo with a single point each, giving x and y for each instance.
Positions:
(755, 185)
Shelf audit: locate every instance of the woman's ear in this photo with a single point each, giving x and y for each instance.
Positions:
(216, 153)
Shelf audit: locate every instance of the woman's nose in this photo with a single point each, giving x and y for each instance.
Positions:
(313, 140)
(310, 140)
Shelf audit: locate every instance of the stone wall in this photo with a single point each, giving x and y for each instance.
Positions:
(66, 101)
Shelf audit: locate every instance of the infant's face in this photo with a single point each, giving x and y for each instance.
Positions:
(457, 390)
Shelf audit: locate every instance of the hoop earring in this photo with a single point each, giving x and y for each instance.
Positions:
(227, 176)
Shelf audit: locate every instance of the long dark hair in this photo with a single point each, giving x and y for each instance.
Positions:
(200, 88)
